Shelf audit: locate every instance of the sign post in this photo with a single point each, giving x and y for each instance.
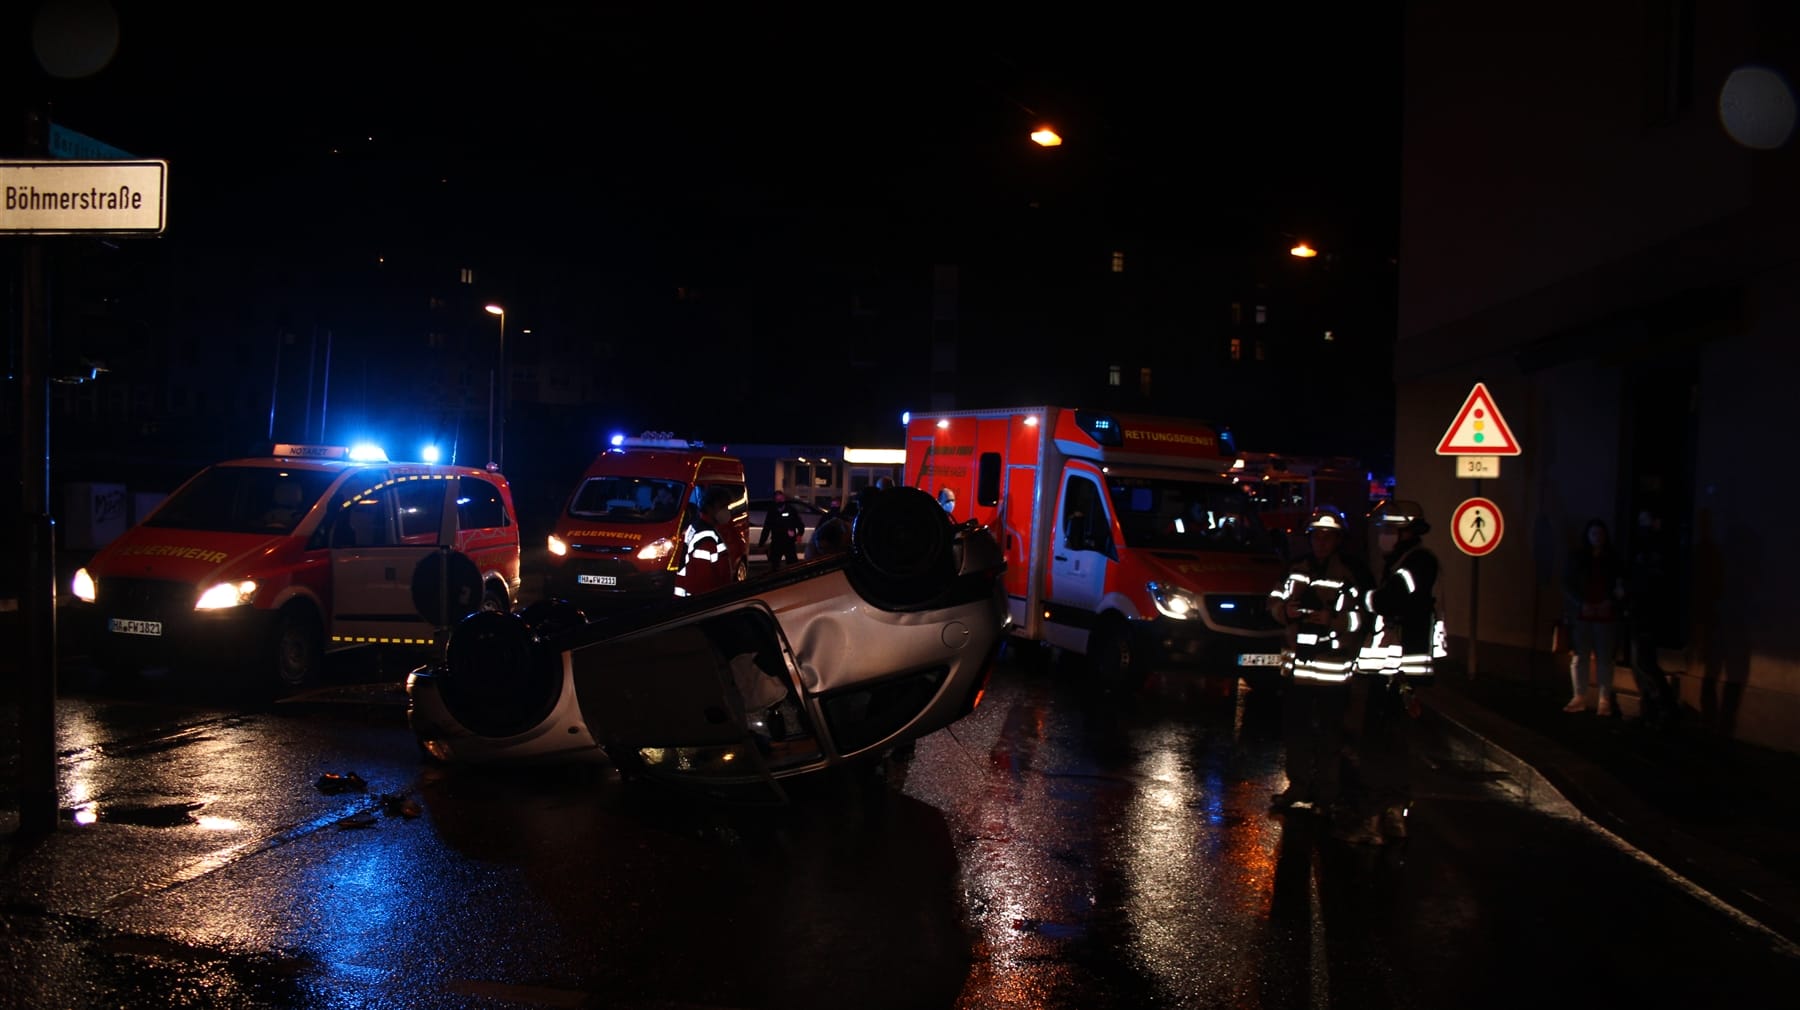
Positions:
(1478, 437)
(39, 198)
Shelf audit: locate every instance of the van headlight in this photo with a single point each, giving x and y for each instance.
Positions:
(1178, 604)
(656, 550)
(83, 586)
(557, 546)
(227, 594)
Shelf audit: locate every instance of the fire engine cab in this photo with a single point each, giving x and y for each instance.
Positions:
(266, 564)
(1124, 537)
(619, 537)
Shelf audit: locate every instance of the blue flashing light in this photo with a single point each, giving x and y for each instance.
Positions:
(905, 417)
(616, 441)
(368, 452)
(1227, 605)
(430, 454)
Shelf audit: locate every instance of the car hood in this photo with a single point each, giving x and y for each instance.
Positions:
(148, 552)
(1217, 571)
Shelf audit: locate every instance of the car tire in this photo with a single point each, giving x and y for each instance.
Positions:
(903, 546)
(1116, 666)
(495, 684)
(494, 599)
(297, 650)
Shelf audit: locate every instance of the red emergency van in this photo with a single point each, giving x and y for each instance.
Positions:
(266, 564)
(618, 539)
(1126, 539)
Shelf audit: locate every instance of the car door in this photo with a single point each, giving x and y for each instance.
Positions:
(665, 703)
(378, 536)
(1079, 553)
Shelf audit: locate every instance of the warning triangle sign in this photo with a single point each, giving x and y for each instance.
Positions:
(1478, 430)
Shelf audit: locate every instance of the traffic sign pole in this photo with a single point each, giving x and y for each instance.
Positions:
(1474, 598)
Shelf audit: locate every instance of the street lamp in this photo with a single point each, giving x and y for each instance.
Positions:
(500, 459)
(1303, 251)
(1044, 136)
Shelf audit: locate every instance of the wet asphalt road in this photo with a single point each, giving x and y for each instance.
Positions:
(1052, 850)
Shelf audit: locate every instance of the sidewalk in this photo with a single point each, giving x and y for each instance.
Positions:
(1721, 814)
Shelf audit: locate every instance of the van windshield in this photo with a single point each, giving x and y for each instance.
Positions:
(243, 499)
(1185, 515)
(627, 499)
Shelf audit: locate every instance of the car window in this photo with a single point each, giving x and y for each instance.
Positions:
(479, 505)
(627, 499)
(420, 505)
(243, 499)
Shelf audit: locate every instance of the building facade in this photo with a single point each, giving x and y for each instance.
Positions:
(1597, 204)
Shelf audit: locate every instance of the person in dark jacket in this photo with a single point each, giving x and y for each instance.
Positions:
(782, 530)
(1593, 592)
(1400, 657)
(1320, 600)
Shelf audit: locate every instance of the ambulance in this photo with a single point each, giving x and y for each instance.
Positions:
(1288, 488)
(618, 539)
(1126, 540)
(266, 564)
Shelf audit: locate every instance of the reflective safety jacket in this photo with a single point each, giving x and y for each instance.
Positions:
(1322, 605)
(1408, 633)
(705, 564)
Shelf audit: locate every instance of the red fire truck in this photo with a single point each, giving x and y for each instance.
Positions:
(1126, 539)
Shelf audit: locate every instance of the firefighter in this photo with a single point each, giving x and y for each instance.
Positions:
(1406, 638)
(783, 527)
(1320, 601)
(705, 561)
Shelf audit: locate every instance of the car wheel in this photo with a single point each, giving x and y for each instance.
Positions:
(904, 546)
(494, 684)
(298, 650)
(494, 600)
(1111, 656)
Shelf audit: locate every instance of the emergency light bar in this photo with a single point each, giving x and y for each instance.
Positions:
(361, 453)
(654, 440)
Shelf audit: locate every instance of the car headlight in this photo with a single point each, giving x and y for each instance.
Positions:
(656, 550)
(1178, 604)
(227, 594)
(83, 585)
(557, 546)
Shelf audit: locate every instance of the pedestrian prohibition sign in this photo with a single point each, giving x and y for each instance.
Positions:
(1477, 527)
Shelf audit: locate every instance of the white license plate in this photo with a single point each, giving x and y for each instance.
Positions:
(597, 580)
(120, 626)
(1260, 659)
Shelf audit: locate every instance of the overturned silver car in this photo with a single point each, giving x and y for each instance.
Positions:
(834, 660)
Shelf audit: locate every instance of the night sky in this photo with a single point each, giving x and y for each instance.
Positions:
(562, 143)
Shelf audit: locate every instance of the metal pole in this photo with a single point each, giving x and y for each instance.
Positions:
(325, 388)
(275, 381)
(37, 596)
(312, 355)
(505, 396)
(490, 445)
(1474, 599)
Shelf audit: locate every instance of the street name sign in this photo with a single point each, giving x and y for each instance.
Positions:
(83, 197)
(1478, 430)
(66, 143)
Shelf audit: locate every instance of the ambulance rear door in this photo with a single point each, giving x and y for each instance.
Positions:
(380, 528)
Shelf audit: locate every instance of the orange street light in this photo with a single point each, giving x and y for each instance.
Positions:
(1303, 251)
(1046, 137)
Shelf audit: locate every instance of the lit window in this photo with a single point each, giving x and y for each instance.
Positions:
(1144, 381)
(1262, 314)
(1237, 348)
(467, 275)
(1330, 336)
(1118, 261)
(1112, 375)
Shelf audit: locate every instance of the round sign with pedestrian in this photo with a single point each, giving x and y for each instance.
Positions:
(1477, 526)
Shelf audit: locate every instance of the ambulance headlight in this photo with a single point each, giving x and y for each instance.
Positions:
(227, 594)
(1178, 604)
(83, 586)
(656, 550)
(557, 545)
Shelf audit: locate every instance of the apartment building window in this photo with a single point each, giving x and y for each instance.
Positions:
(434, 340)
(1118, 261)
(1237, 313)
(1260, 354)
(1330, 336)
(467, 275)
(1237, 348)
(1144, 382)
(1262, 314)
(1114, 375)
